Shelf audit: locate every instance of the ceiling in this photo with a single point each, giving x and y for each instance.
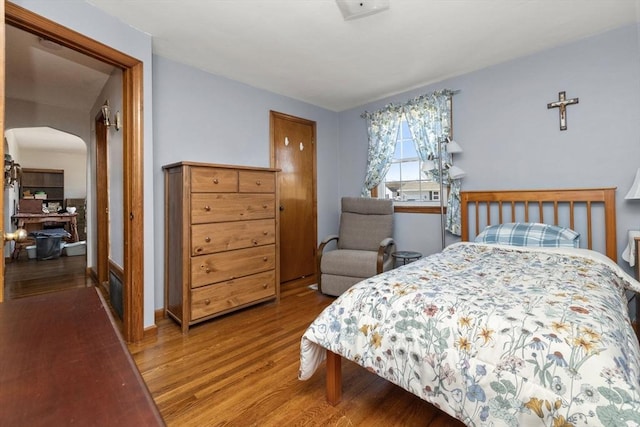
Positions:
(46, 73)
(305, 50)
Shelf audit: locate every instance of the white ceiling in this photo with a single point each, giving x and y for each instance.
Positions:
(304, 49)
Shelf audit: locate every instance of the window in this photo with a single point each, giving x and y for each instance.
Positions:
(405, 182)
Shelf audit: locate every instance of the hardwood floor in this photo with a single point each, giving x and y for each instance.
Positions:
(241, 370)
(26, 277)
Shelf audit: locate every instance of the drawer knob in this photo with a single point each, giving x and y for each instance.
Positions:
(265, 206)
(198, 249)
(255, 242)
(258, 182)
(207, 301)
(265, 233)
(265, 286)
(207, 208)
(207, 239)
(265, 259)
(206, 268)
(215, 180)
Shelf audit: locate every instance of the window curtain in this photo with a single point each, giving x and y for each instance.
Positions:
(428, 117)
(382, 127)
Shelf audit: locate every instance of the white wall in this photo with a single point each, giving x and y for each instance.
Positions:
(74, 166)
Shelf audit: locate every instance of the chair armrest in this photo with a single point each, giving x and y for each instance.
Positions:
(387, 246)
(327, 240)
(324, 243)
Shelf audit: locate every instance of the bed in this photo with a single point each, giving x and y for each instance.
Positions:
(494, 333)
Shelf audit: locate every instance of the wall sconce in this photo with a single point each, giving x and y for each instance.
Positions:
(12, 171)
(106, 114)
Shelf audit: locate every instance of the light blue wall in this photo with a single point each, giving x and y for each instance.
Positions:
(201, 117)
(511, 140)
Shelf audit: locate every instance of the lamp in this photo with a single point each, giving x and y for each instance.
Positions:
(453, 147)
(634, 191)
(106, 114)
(456, 173)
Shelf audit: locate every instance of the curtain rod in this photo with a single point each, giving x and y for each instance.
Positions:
(449, 92)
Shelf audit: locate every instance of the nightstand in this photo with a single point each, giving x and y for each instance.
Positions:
(408, 256)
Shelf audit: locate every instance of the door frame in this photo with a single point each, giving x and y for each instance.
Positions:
(132, 135)
(102, 203)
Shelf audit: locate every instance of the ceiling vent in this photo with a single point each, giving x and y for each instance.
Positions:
(353, 9)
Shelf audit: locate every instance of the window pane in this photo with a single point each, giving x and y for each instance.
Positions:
(408, 149)
(405, 181)
(405, 133)
(397, 154)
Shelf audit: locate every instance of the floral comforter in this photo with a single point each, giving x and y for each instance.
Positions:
(495, 335)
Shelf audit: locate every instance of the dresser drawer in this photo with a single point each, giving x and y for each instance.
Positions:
(223, 296)
(210, 207)
(218, 237)
(207, 269)
(214, 180)
(257, 182)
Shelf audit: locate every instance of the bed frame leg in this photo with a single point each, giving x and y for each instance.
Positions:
(334, 378)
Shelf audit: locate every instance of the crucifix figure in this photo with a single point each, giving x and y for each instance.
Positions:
(562, 105)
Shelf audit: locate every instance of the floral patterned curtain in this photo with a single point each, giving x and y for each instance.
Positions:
(428, 117)
(382, 128)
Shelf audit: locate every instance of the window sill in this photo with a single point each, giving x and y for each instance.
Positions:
(418, 209)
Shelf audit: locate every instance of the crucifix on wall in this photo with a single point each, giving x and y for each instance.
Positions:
(562, 103)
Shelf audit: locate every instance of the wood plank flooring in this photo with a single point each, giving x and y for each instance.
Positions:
(26, 277)
(241, 370)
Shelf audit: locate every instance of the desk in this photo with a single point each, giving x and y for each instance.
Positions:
(40, 218)
(63, 363)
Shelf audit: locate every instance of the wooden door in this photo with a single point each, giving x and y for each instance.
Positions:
(294, 153)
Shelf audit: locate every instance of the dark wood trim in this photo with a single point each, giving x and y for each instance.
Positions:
(133, 202)
(102, 201)
(132, 82)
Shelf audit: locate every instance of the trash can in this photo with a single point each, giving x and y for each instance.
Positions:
(49, 242)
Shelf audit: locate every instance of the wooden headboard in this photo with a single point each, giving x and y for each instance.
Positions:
(577, 209)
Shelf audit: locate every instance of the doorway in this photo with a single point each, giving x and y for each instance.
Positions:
(132, 77)
(293, 148)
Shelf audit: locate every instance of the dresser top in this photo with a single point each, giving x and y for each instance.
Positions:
(219, 166)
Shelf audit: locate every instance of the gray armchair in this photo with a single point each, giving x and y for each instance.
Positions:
(364, 245)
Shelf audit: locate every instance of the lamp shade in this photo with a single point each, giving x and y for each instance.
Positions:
(453, 147)
(428, 165)
(634, 191)
(456, 173)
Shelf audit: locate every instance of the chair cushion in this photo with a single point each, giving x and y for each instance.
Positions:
(364, 223)
(367, 206)
(347, 262)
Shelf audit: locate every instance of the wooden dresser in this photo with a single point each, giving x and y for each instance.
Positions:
(221, 239)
